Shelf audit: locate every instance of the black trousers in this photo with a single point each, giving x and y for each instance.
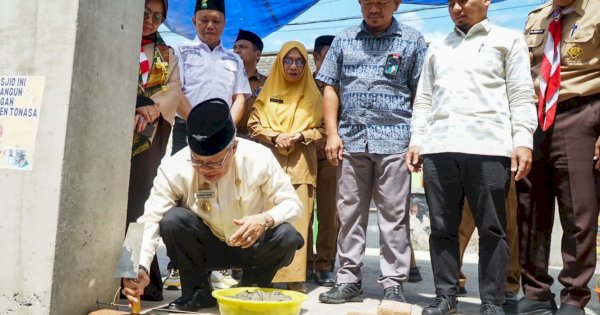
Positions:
(196, 251)
(179, 135)
(484, 180)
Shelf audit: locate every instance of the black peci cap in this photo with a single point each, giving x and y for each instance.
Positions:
(251, 37)
(321, 41)
(210, 127)
(218, 5)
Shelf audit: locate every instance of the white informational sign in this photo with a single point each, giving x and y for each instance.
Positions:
(20, 101)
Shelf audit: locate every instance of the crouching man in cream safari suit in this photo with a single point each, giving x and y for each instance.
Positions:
(222, 202)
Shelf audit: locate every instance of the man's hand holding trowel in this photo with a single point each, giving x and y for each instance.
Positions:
(134, 276)
(134, 288)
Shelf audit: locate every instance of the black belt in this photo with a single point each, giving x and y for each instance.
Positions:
(576, 102)
(179, 120)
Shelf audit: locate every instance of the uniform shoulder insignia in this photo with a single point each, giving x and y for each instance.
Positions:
(540, 8)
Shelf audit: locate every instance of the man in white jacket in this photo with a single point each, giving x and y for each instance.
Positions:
(222, 202)
(473, 123)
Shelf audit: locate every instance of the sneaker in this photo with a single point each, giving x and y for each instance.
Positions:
(527, 306)
(442, 305)
(462, 291)
(172, 281)
(394, 293)
(568, 309)
(414, 275)
(491, 309)
(342, 293)
(220, 279)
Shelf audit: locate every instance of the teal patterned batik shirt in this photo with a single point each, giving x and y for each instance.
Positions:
(377, 77)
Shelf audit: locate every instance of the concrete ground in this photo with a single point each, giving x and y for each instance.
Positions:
(418, 294)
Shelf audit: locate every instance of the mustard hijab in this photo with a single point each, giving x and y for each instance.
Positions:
(287, 107)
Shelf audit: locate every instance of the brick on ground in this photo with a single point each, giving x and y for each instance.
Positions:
(394, 308)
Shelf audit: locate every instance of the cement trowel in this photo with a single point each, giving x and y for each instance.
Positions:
(128, 265)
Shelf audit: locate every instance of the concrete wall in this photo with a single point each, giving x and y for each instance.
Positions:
(62, 223)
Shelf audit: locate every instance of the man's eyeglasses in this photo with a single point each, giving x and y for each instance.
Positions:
(210, 165)
(156, 17)
(298, 62)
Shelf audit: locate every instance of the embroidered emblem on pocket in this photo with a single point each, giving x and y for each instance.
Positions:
(575, 52)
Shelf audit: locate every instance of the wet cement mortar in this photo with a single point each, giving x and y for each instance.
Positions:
(258, 295)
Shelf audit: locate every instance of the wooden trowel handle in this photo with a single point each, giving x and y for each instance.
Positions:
(136, 308)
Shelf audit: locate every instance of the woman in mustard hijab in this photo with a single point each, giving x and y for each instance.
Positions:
(287, 117)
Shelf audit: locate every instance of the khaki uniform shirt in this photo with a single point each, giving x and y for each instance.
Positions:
(254, 183)
(300, 164)
(580, 48)
(256, 83)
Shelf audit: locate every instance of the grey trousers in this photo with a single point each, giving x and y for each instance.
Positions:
(386, 178)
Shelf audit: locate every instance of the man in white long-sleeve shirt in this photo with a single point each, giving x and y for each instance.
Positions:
(473, 123)
(222, 202)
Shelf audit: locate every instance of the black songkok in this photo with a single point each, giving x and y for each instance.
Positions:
(251, 37)
(322, 41)
(218, 5)
(210, 127)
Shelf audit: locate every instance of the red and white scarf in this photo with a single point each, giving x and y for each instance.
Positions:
(550, 71)
(144, 62)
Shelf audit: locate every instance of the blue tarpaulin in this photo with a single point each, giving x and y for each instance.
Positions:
(262, 17)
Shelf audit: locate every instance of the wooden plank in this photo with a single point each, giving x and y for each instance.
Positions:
(394, 308)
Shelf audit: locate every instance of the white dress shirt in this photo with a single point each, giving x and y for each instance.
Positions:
(206, 74)
(475, 94)
(254, 183)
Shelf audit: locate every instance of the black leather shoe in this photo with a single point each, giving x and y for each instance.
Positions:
(394, 293)
(325, 278)
(462, 291)
(527, 306)
(342, 293)
(491, 309)
(568, 309)
(442, 305)
(201, 298)
(414, 275)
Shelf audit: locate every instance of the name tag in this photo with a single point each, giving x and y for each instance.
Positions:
(276, 100)
(204, 194)
(537, 32)
(392, 65)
